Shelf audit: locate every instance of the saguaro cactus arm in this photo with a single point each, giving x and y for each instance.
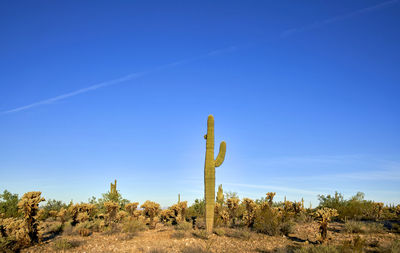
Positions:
(221, 154)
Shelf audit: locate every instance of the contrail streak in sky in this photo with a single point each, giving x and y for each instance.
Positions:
(136, 75)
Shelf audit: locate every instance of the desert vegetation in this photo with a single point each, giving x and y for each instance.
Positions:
(261, 225)
(219, 222)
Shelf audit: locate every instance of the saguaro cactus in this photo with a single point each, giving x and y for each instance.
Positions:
(209, 172)
(113, 187)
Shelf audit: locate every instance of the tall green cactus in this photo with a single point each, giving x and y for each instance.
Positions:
(209, 172)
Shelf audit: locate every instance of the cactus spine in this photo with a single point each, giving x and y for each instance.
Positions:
(209, 172)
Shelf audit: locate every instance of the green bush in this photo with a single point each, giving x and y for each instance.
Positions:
(197, 209)
(268, 221)
(356, 208)
(9, 205)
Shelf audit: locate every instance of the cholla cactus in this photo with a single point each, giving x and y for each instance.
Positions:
(233, 205)
(209, 172)
(323, 216)
(179, 211)
(53, 213)
(398, 209)
(41, 215)
(150, 210)
(298, 207)
(121, 215)
(111, 211)
(250, 213)
(377, 209)
(82, 217)
(15, 228)
(270, 197)
(75, 210)
(131, 209)
(220, 195)
(62, 214)
(167, 216)
(29, 205)
(222, 216)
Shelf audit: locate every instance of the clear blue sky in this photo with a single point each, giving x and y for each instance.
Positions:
(306, 95)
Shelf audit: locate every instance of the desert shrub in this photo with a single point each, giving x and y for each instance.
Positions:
(65, 244)
(219, 231)
(354, 227)
(112, 229)
(84, 232)
(185, 226)
(374, 227)
(150, 210)
(68, 229)
(51, 208)
(303, 217)
(363, 227)
(395, 228)
(93, 226)
(270, 221)
(9, 205)
(394, 247)
(178, 234)
(110, 197)
(133, 226)
(355, 208)
(356, 245)
(8, 245)
(55, 229)
(238, 233)
(202, 234)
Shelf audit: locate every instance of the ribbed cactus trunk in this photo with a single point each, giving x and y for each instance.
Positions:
(113, 187)
(209, 172)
